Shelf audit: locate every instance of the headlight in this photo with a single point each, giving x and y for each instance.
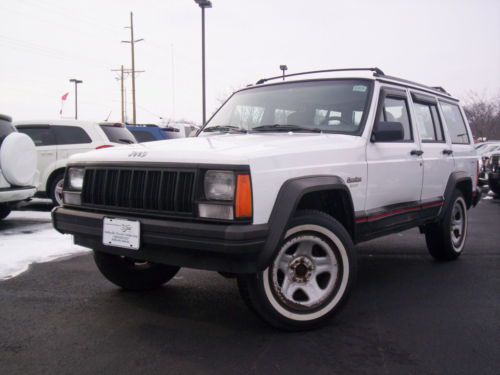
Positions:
(219, 185)
(75, 178)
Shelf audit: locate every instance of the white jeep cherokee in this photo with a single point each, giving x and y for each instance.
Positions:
(278, 187)
(18, 173)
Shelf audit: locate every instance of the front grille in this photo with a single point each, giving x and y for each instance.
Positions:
(155, 190)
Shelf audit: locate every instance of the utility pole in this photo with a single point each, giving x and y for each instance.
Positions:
(132, 42)
(76, 82)
(123, 75)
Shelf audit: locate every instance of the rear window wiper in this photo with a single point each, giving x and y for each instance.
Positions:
(126, 141)
(225, 128)
(285, 128)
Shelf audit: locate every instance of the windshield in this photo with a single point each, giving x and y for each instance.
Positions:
(118, 134)
(334, 106)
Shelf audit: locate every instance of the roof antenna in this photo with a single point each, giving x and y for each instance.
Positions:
(107, 118)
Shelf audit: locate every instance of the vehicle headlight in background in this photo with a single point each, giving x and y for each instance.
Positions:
(219, 185)
(75, 178)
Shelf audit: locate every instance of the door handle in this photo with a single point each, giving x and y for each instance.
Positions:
(416, 152)
(447, 151)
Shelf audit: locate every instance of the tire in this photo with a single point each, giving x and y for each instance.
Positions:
(4, 211)
(446, 238)
(316, 263)
(133, 275)
(55, 190)
(494, 185)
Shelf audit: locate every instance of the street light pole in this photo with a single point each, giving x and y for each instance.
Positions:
(76, 82)
(203, 4)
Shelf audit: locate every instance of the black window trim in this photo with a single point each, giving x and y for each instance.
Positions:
(393, 93)
(419, 98)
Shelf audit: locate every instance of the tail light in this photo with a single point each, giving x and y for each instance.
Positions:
(103, 146)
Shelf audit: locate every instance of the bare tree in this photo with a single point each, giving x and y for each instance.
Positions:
(484, 116)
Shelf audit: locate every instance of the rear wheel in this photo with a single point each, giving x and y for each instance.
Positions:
(56, 189)
(132, 274)
(309, 278)
(494, 185)
(4, 211)
(446, 239)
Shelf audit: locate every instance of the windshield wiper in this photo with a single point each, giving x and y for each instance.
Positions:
(225, 128)
(126, 141)
(285, 128)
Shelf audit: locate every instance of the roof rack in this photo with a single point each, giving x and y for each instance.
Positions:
(418, 85)
(439, 88)
(376, 71)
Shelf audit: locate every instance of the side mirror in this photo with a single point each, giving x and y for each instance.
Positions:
(387, 131)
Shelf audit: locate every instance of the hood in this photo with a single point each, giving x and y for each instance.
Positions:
(221, 149)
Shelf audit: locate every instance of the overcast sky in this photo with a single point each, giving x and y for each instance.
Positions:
(44, 43)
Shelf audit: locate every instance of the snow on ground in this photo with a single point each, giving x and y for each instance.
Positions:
(27, 237)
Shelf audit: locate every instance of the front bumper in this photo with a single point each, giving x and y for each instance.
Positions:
(16, 194)
(220, 247)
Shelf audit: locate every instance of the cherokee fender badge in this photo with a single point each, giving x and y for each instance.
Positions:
(351, 180)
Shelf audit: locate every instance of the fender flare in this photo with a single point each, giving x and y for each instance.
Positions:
(288, 198)
(454, 179)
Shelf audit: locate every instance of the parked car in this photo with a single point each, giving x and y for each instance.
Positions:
(57, 140)
(485, 154)
(151, 132)
(278, 187)
(18, 173)
(492, 172)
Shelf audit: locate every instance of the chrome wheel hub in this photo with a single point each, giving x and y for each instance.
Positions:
(457, 225)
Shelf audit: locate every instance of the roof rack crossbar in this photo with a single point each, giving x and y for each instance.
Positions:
(439, 88)
(375, 70)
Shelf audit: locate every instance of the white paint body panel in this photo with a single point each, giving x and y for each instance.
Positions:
(389, 174)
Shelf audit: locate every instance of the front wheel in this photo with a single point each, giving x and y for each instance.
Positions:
(132, 274)
(309, 278)
(446, 238)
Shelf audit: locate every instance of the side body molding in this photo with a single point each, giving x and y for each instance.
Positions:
(286, 204)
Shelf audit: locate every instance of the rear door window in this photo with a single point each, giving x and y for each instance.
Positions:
(455, 123)
(143, 136)
(41, 135)
(71, 135)
(428, 122)
(117, 133)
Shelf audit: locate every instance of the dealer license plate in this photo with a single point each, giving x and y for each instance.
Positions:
(121, 233)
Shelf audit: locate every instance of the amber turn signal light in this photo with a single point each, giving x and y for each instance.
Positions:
(243, 196)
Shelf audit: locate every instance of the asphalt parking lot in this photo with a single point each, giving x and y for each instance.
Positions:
(408, 315)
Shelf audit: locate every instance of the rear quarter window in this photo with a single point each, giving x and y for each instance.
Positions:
(70, 135)
(455, 123)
